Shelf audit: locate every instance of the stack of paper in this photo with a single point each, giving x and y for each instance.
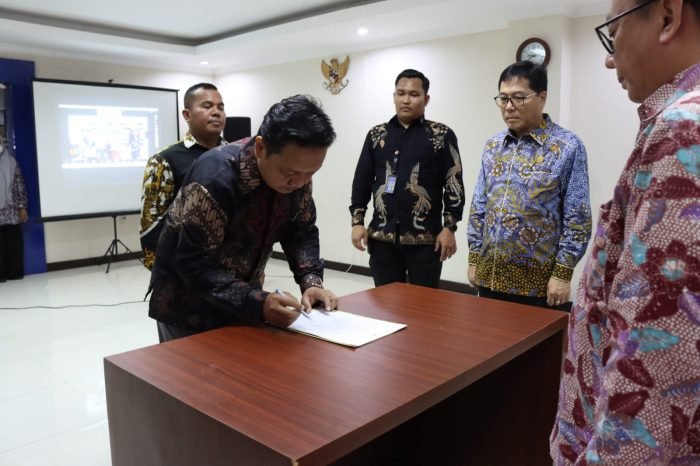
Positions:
(344, 328)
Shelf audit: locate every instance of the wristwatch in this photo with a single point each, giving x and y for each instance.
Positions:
(452, 227)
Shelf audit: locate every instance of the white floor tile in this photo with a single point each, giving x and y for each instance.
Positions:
(38, 415)
(52, 395)
(23, 376)
(83, 446)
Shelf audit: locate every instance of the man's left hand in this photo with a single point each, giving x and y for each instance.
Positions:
(557, 292)
(446, 243)
(315, 295)
(23, 216)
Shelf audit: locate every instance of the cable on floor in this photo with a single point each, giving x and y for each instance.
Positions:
(68, 305)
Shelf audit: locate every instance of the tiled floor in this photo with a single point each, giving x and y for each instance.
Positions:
(52, 398)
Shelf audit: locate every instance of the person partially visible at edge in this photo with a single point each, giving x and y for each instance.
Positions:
(630, 389)
(530, 216)
(13, 213)
(236, 202)
(412, 168)
(205, 116)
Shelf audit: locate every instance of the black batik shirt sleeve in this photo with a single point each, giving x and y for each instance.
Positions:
(300, 242)
(200, 215)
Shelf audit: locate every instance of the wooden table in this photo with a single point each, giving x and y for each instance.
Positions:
(470, 381)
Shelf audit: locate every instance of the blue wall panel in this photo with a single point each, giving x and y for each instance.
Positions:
(18, 76)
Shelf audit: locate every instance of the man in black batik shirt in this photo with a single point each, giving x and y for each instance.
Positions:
(236, 201)
(412, 168)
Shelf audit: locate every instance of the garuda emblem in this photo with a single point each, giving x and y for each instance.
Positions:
(334, 74)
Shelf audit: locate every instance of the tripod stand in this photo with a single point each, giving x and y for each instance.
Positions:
(113, 250)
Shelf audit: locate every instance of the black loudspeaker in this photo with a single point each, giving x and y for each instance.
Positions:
(236, 128)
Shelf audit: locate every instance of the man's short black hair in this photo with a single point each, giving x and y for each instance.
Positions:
(298, 119)
(410, 74)
(536, 75)
(189, 94)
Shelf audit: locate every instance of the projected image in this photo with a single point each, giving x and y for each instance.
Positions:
(108, 136)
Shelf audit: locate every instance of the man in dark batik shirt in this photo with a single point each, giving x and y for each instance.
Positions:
(235, 203)
(162, 179)
(413, 169)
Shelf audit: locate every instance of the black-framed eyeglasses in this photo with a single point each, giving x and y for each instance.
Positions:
(517, 101)
(605, 39)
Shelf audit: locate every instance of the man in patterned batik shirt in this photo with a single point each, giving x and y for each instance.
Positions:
(630, 391)
(530, 217)
(205, 117)
(236, 201)
(413, 169)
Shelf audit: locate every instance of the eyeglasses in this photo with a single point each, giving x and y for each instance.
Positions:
(517, 101)
(605, 39)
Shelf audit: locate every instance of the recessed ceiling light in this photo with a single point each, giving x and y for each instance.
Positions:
(362, 31)
(203, 62)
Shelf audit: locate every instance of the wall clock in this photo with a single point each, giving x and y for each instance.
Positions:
(534, 50)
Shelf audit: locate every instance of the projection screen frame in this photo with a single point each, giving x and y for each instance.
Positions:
(109, 213)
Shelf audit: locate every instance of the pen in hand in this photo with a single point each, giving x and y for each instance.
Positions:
(302, 311)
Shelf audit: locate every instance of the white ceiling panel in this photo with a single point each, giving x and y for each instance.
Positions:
(243, 34)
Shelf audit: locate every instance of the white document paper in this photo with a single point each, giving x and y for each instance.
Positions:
(344, 328)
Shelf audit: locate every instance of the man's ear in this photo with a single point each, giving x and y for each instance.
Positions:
(186, 114)
(672, 18)
(427, 99)
(259, 147)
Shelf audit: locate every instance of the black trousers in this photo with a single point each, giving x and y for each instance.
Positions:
(415, 264)
(169, 332)
(529, 300)
(11, 252)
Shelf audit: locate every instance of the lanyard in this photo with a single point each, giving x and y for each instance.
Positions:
(395, 162)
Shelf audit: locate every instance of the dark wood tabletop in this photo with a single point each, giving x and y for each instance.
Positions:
(314, 401)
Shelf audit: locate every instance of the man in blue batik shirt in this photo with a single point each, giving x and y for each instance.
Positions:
(530, 217)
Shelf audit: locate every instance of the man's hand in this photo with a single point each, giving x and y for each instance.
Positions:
(359, 237)
(557, 292)
(281, 309)
(315, 295)
(446, 243)
(23, 216)
(471, 274)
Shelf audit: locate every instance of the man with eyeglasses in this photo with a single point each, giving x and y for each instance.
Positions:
(530, 217)
(630, 390)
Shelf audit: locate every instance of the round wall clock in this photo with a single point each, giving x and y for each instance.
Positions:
(534, 50)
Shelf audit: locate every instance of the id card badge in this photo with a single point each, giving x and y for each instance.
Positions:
(390, 184)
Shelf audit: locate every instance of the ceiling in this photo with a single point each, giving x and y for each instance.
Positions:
(243, 34)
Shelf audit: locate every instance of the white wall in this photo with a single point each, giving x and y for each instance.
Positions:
(602, 115)
(80, 239)
(463, 82)
(464, 70)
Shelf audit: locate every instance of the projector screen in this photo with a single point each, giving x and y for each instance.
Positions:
(93, 141)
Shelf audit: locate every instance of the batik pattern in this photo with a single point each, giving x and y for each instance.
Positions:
(630, 391)
(218, 237)
(530, 217)
(9, 215)
(429, 192)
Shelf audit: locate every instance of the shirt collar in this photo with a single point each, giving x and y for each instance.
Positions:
(538, 134)
(250, 174)
(682, 83)
(190, 141)
(418, 121)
